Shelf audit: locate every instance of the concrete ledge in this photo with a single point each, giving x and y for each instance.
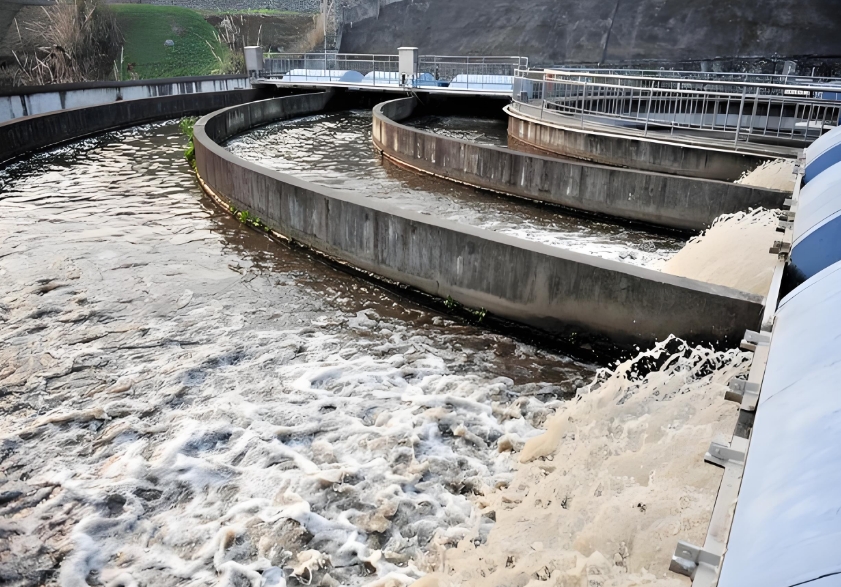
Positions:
(632, 152)
(32, 133)
(18, 102)
(550, 289)
(653, 198)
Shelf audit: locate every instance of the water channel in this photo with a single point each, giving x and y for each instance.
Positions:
(187, 402)
(335, 150)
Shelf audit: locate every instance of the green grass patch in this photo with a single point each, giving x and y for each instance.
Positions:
(147, 27)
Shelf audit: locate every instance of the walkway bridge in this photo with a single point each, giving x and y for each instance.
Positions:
(477, 75)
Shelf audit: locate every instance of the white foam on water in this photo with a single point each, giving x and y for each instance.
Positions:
(222, 411)
(186, 403)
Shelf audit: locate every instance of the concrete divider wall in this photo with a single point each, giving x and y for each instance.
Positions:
(632, 152)
(665, 200)
(551, 289)
(18, 102)
(32, 133)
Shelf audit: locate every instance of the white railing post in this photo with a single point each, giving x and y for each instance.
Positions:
(739, 121)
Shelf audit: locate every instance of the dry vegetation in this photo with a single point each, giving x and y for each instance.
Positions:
(76, 40)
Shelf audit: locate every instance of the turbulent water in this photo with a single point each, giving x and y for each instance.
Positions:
(486, 131)
(185, 402)
(335, 150)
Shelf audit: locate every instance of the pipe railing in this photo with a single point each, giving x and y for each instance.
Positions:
(731, 109)
(712, 76)
(467, 72)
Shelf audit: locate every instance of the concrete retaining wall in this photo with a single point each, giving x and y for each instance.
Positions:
(548, 288)
(18, 102)
(32, 133)
(665, 200)
(625, 151)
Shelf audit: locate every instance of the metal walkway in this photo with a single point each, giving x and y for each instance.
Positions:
(725, 110)
(480, 76)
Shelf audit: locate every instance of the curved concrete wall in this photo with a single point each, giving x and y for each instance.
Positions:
(18, 102)
(625, 151)
(32, 133)
(665, 200)
(547, 288)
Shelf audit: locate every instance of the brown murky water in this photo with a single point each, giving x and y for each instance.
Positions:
(186, 402)
(335, 150)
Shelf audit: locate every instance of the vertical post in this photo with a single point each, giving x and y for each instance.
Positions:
(648, 111)
(739, 121)
(753, 112)
(583, 103)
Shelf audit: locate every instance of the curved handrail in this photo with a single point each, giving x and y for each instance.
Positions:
(659, 199)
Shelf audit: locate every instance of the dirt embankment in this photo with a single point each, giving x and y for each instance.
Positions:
(289, 32)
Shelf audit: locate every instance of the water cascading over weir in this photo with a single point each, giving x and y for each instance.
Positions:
(628, 149)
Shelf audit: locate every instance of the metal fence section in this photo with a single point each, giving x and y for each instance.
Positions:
(479, 72)
(712, 105)
(448, 68)
(711, 76)
(278, 65)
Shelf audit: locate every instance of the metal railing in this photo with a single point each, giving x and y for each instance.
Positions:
(447, 68)
(711, 76)
(276, 65)
(720, 106)
(468, 72)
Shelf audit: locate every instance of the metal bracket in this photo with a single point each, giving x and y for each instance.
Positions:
(780, 248)
(688, 558)
(722, 455)
(785, 225)
(739, 389)
(788, 202)
(752, 339)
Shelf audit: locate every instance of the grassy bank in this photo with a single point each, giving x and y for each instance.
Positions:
(146, 28)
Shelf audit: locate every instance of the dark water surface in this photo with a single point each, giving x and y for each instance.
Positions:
(185, 402)
(485, 131)
(335, 150)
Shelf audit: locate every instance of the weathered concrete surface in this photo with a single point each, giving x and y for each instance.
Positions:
(665, 200)
(19, 101)
(547, 288)
(602, 31)
(32, 133)
(632, 152)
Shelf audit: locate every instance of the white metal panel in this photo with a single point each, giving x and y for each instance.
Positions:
(323, 75)
(823, 144)
(787, 527)
(408, 61)
(253, 58)
(819, 200)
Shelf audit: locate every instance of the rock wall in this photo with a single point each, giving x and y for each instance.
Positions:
(603, 31)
